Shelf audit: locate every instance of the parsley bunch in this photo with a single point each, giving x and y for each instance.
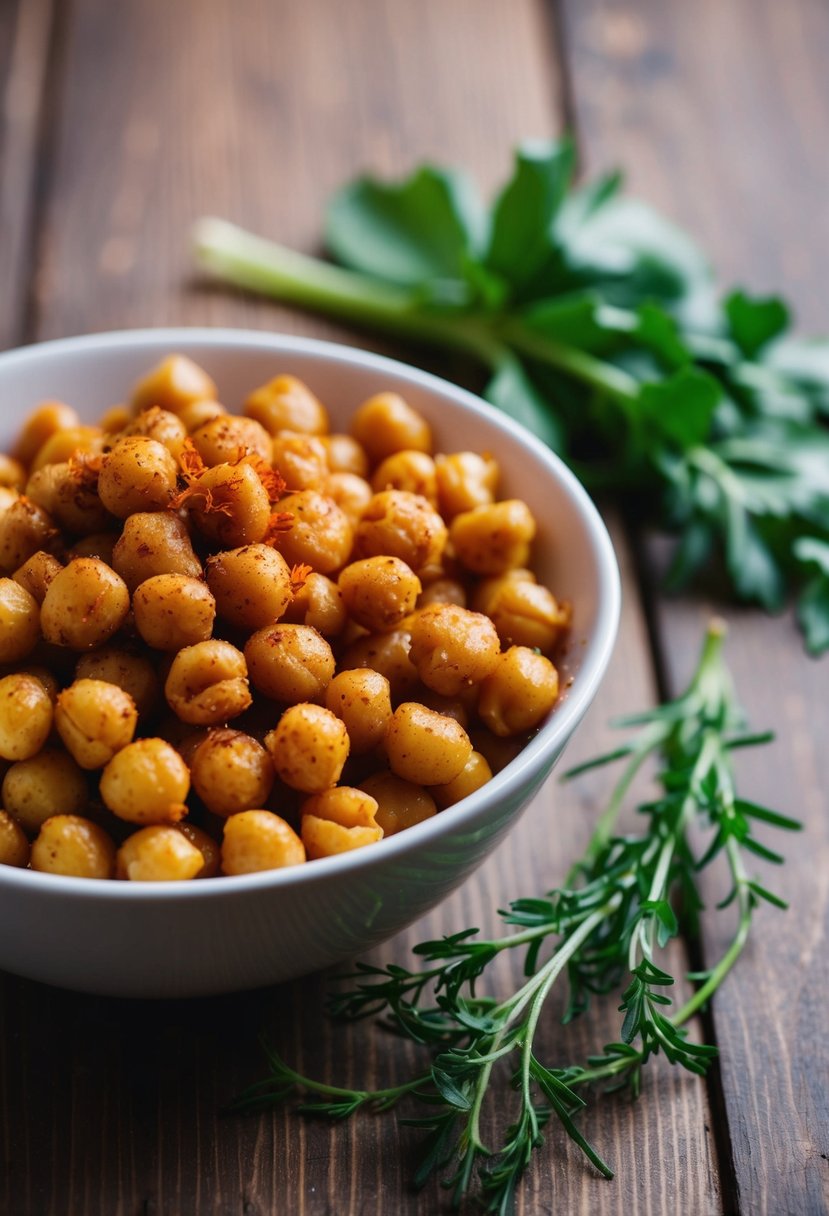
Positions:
(601, 330)
(601, 932)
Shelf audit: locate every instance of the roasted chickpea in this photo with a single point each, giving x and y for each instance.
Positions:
(398, 524)
(46, 677)
(25, 717)
(114, 420)
(172, 384)
(208, 683)
(69, 844)
(259, 840)
(386, 423)
(133, 673)
(146, 782)
(524, 613)
(320, 535)
(425, 747)
(351, 493)
(24, 529)
(69, 444)
(172, 611)
(387, 653)
(19, 621)
(519, 693)
(286, 404)
(451, 707)
(443, 590)
(159, 853)
(230, 505)
(36, 574)
(318, 603)
(8, 496)
(69, 495)
(345, 455)
(152, 543)
(301, 459)
(228, 438)
(494, 538)
(362, 699)
(465, 480)
(497, 751)
(158, 424)
(379, 592)
(400, 804)
(475, 773)
(196, 413)
(207, 846)
(289, 663)
(48, 784)
(12, 473)
(85, 604)
(452, 647)
(14, 847)
(139, 474)
(338, 820)
(231, 772)
(309, 747)
(99, 544)
(251, 585)
(95, 720)
(44, 422)
(410, 471)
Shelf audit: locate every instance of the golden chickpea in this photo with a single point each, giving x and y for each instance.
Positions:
(319, 604)
(19, 621)
(48, 784)
(444, 590)
(286, 404)
(398, 524)
(379, 592)
(475, 773)
(519, 693)
(227, 438)
(85, 604)
(450, 707)
(36, 574)
(230, 505)
(14, 847)
(251, 585)
(301, 459)
(46, 677)
(159, 853)
(362, 699)
(158, 424)
(208, 683)
(387, 653)
(95, 720)
(259, 840)
(24, 529)
(12, 473)
(174, 383)
(25, 717)
(231, 772)
(47, 420)
(207, 846)
(69, 844)
(386, 423)
(131, 672)
(172, 611)
(495, 538)
(99, 544)
(338, 820)
(320, 535)
(8, 496)
(424, 747)
(524, 613)
(452, 647)
(345, 455)
(154, 542)
(139, 474)
(146, 782)
(73, 504)
(308, 747)
(197, 413)
(497, 751)
(114, 420)
(410, 471)
(465, 480)
(290, 663)
(400, 804)
(64, 445)
(351, 493)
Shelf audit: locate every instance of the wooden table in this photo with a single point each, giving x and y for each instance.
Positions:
(121, 123)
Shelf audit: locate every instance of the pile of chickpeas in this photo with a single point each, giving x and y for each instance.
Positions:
(236, 642)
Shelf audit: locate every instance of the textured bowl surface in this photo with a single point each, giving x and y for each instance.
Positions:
(188, 939)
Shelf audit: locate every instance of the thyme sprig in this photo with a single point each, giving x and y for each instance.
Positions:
(603, 931)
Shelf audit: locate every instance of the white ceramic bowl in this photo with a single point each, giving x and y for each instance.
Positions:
(188, 939)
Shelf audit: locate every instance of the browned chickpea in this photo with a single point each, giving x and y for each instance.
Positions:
(208, 684)
(46, 677)
(172, 611)
(398, 524)
(114, 420)
(351, 493)
(12, 473)
(251, 585)
(69, 844)
(159, 853)
(443, 590)
(72, 502)
(64, 445)
(495, 538)
(95, 720)
(318, 603)
(465, 480)
(379, 592)
(320, 535)
(387, 653)
(452, 647)
(338, 820)
(450, 707)
(19, 621)
(197, 413)
(36, 574)
(14, 847)
(259, 840)
(47, 420)
(25, 716)
(497, 751)
(48, 784)
(99, 544)
(289, 663)
(519, 693)
(475, 773)
(24, 529)
(301, 459)
(308, 747)
(345, 455)
(146, 782)
(85, 604)
(410, 471)
(8, 496)
(207, 846)
(524, 613)
(227, 438)
(230, 505)
(153, 543)
(286, 404)
(131, 672)
(400, 804)
(174, 383)
(424, 747)
(386, 423)
(231, 772)
(139, 474)
(362, 698)
(155, 423)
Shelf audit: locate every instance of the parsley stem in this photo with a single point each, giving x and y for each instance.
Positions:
(585, 368)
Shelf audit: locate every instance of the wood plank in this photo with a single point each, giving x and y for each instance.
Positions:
(718, 113)
(257, 111)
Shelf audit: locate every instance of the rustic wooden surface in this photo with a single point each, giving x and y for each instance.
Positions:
(122, 123)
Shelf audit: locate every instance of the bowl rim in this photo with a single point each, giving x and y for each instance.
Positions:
(528, 763)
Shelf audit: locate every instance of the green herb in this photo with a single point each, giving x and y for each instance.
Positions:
(602, 932)
(601, 331)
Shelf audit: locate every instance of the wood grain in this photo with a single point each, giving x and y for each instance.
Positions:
(714, 110)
